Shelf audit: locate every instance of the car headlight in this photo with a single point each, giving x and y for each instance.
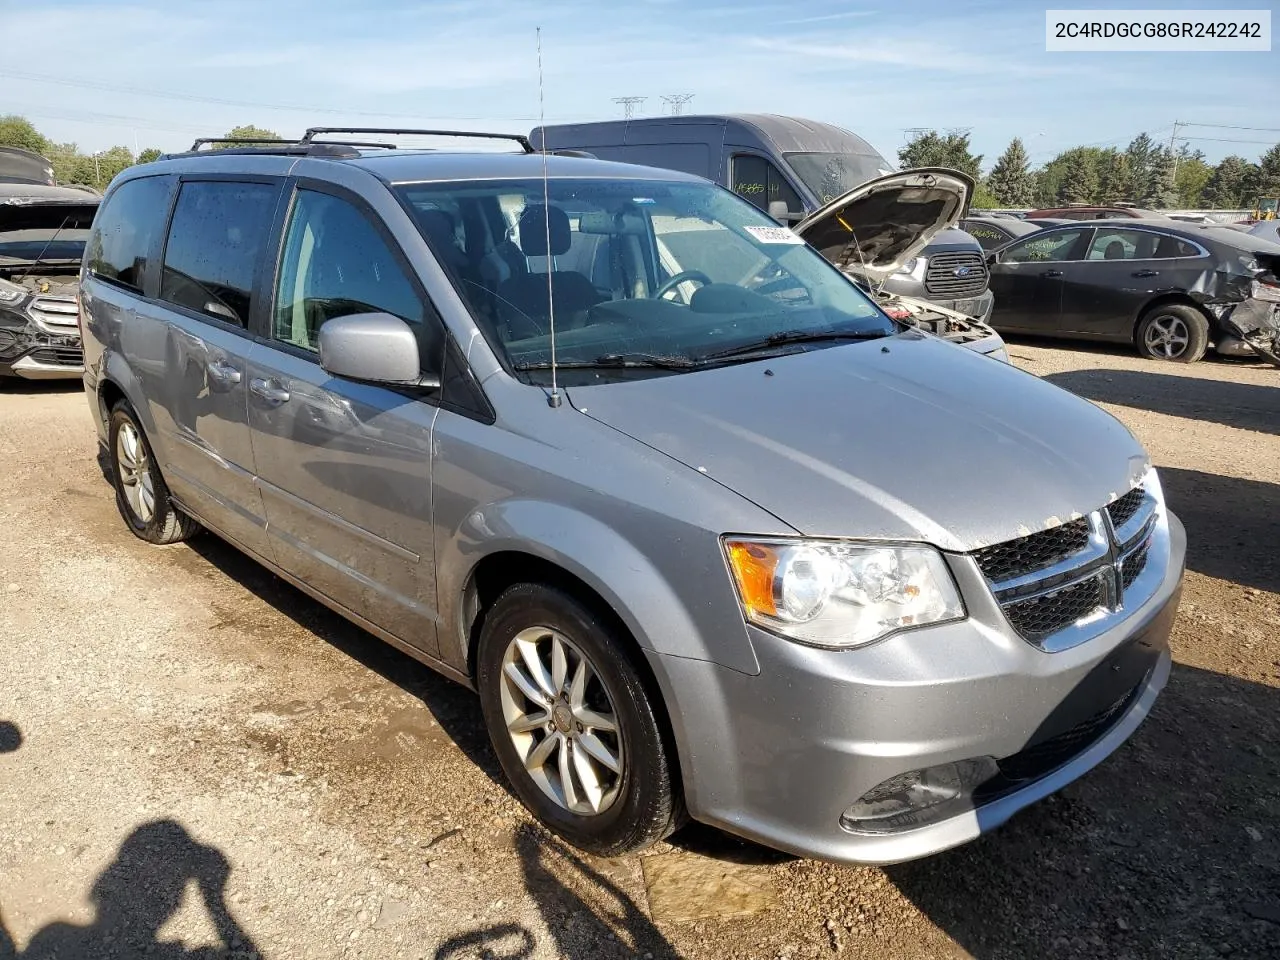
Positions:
(915, 267)
(840, 594)
(11, 292)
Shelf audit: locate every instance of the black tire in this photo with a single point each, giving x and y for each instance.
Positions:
(1182, 321)
(648, 806)
(167, 524)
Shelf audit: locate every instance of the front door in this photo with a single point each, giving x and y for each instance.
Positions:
(217, 235)
(1026, 281)
(345, 467)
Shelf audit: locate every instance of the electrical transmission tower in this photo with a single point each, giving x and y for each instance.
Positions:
(676, 102)
(629, 105)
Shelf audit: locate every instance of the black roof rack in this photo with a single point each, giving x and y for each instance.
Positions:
(309, 136)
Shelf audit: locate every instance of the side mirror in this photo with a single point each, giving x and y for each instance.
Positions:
(373, 348)
(992, 260)
(779, 211)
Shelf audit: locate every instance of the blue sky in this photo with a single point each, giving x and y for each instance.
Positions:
(93, 72)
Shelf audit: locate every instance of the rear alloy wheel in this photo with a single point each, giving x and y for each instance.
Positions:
(142, 496)
(1174, 332)
(572, 723)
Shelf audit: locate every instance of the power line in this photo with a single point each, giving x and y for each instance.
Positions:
(1231, 126)
(251, 104)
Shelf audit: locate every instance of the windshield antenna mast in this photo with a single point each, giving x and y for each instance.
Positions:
(553, 398)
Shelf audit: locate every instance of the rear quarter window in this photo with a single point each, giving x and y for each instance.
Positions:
(124, 240)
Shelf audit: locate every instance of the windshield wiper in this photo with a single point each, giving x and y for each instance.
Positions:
(788, 337)
(616, 361)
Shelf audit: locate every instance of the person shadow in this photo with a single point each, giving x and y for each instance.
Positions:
(136, 895)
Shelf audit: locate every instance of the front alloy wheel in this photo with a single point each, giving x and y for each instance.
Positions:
(561, 721)
(576, 725)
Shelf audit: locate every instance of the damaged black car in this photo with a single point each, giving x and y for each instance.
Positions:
(1173, 290)
(43, 230)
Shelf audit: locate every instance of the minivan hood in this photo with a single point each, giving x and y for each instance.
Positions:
(905, 438)
(879, 225)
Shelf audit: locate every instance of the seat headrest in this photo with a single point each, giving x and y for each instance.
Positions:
(1113, 251)
(534, 223)
(441, 231)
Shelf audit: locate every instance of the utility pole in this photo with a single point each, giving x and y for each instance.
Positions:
(97, 173)
(676, 102)
(1172, 137)
(629, 105)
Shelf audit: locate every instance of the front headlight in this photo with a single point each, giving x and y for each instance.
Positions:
(11, 292)
(915, 267)
(839, 594)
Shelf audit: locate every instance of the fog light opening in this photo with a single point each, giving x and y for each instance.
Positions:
(919, 797)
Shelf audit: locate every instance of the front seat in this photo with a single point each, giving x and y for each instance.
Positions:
(1113, 251)
(524, 304)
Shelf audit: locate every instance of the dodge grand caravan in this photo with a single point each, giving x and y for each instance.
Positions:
(688, 519)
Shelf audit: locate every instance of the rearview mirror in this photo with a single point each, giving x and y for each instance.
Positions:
(372, 348)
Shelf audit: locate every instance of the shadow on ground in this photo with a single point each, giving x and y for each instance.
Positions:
(136, 895)
(1233, 525)
(1244, 405)
(1170, 848)
(455, 708)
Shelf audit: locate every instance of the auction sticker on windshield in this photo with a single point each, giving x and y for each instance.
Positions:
(773, 235)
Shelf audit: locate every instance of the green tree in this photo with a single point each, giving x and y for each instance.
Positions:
(16, 131)
(1269, 173)
(248, 132)
(1141, 154)
(1192, 175)
(933, 149)
(149, 155)
(1115, 181)
(1229, 184)
(1079, 178)
(1010, 180)
(983, 198)
(1160, 193)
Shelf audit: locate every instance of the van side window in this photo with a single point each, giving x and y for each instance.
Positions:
(215, 241)
(758, 180)
(334, 264)
(127, 228)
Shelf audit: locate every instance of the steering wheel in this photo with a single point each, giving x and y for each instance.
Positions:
(679, 278)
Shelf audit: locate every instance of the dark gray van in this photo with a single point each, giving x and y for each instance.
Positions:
(789, 167)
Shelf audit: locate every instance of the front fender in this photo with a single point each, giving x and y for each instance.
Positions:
(594, 552)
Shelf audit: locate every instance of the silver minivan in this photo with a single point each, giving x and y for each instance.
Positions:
(709, 533)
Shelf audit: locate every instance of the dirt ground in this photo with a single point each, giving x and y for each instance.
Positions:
(198, 761)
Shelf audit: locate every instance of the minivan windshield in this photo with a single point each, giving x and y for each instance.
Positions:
(832, 175)
(644, 277)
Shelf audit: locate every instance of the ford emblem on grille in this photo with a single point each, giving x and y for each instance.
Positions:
(962, 271)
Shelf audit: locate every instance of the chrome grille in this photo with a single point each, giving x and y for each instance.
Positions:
(1016, 558)
(1056, 585)
(941, 279)
(1123, 509)
(56, 312)
(1044, 615)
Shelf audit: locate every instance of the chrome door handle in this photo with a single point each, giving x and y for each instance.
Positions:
(223, 372)
(1052, 273)
(269, 390)
(1146, 273)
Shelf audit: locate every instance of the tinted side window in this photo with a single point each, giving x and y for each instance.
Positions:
(335, 263)
(1040, 248)
(759, 181)
(1110, 243)
(126, 231)
(216, 238)
(1170, 247)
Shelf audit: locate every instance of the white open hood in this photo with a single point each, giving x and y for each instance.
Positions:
(877, 227)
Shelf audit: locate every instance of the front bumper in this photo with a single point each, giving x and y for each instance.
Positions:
(33, 352)
(778, 757)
